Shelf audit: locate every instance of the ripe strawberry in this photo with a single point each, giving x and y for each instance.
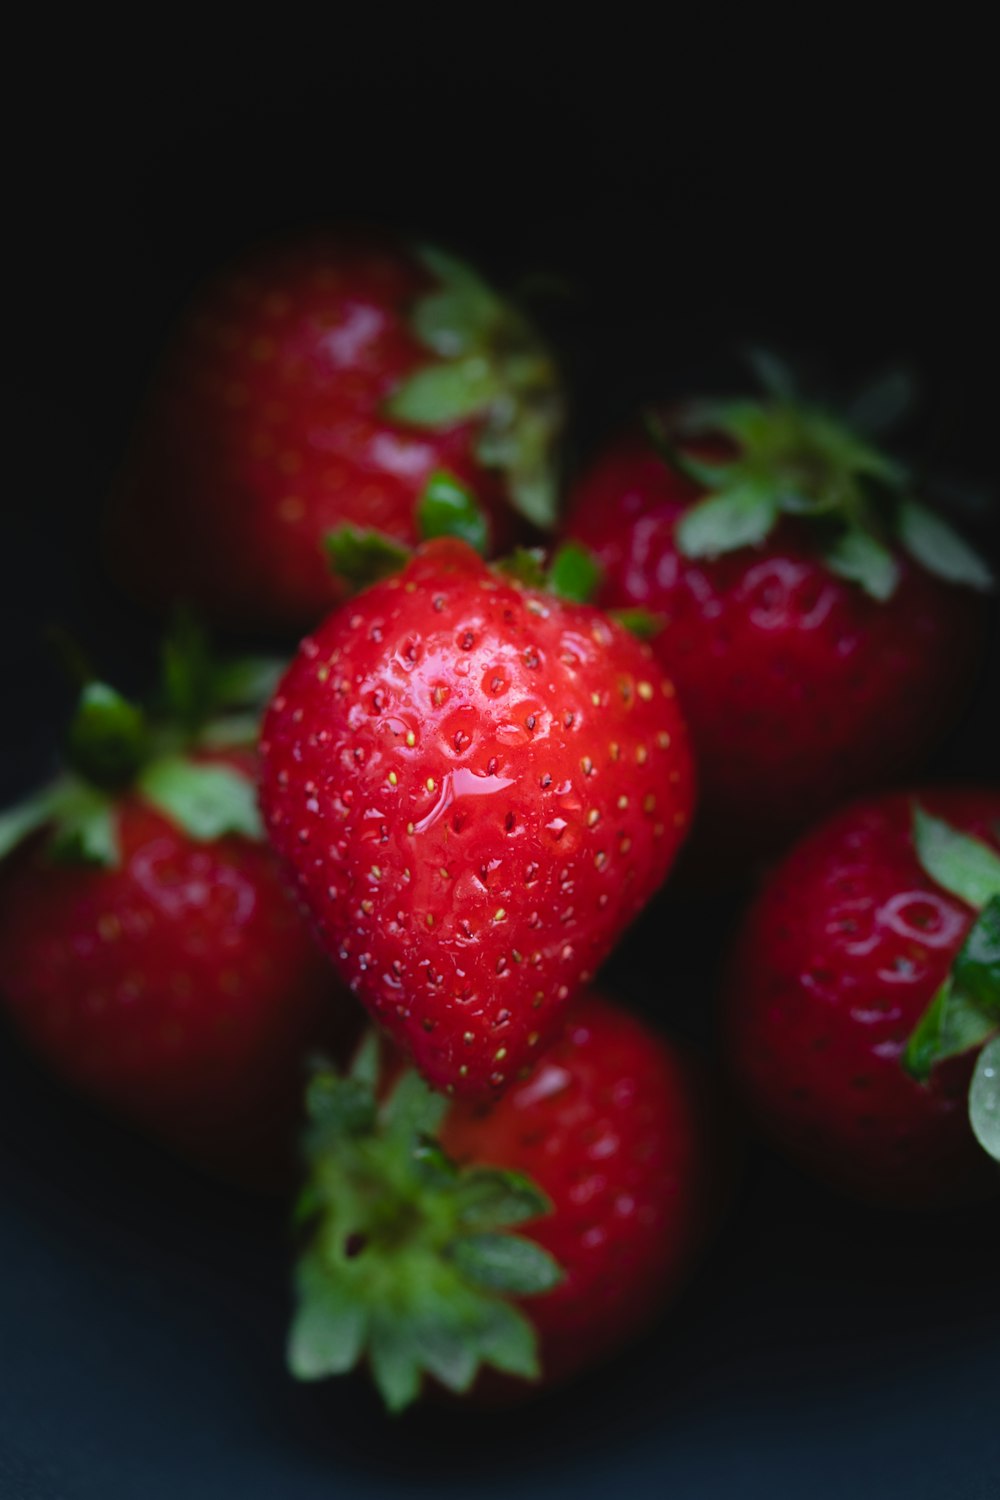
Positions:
(148, 950)
(599, 1158)
(814, 617)
(862, 959)
(475, 786)
(317, 384)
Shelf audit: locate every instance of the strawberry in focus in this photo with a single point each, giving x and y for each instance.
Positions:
(149, 952)
(820, 625)
(475, 786)
(861, 964)
(600, 1163)
(317, 384)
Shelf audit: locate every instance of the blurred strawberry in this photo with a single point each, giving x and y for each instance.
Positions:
(820, 624)
(317, 384)
(148, 950)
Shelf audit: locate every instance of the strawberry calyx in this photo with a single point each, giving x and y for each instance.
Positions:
(409, 1261)
(964, 1014)
(113, 746)
(446, 508)
(491, 365)
(788, 457)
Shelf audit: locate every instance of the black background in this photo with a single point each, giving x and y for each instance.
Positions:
(823, 194)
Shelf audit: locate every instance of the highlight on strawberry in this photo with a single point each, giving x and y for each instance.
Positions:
(489, 1247)
(149, 952)
(863, 998)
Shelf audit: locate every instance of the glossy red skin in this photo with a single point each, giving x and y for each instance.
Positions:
(799, 690)
(467, 900)
(265, 429)
(178, 989)
(828, 979)
(611, 1128)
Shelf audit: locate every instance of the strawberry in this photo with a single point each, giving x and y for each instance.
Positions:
(317, 384)
(148, 950)
(599, 1161)
(475, 786)
(819, 623)
(860, 987)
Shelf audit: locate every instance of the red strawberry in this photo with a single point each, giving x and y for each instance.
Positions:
(318, 384)
(475, 786)
(148, 950)
(861, 944)
(812, 616)
(600, 1160)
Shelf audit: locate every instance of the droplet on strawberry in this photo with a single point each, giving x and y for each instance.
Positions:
(320, 384)
(476, 786)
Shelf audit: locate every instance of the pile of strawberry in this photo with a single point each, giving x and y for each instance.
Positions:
(466, 786)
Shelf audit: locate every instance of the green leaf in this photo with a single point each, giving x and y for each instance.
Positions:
(962, 865)
(952, 1024)
(394, 1356)
(84, 826)
(984, 1099)
(976, 970)
(534, 494)
(739, 517)
(882, 403)
(107, 738)
(25, 818)
(232, 731)
(526, 565)
(412, 1108)
(205, 800)
(361, 558)
(342, 1106)
(505, 1263)
(441, 395)
(932, 543)
(187, 671)
(329, 1328)
(520, 437)
(366, 1060)
(861, 558)
(639, 622)
(692, 420)
(463, 314)
(489, 1198)
(507, 1340)
(575, 573)
(247, 681)
(447, 508)
(772, 373)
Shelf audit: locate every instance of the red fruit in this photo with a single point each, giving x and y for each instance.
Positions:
(318, 384)
(475, 786)
(799, 685)
(178, 988)
(839, 958)
(148, 950)
(608, 1128)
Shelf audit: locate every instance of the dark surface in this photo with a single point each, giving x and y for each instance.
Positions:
(823, 1349)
